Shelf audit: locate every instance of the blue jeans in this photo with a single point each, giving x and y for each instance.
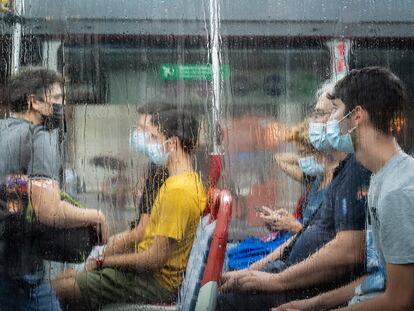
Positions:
(24, 296)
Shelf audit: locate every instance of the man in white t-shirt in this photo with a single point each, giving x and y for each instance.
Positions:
(375, 101)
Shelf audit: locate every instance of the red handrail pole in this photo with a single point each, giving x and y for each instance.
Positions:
(217, 251)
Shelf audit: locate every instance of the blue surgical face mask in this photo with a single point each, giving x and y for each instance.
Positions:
(310, 166)
(317, 136)
(339, 141)
(141, 142)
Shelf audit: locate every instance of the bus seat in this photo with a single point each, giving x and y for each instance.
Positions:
(207, 296)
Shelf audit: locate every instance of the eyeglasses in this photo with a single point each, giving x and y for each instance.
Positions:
(320, 113)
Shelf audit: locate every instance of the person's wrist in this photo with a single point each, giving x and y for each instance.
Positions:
(99, 262)
(297, 226)
(275, 283)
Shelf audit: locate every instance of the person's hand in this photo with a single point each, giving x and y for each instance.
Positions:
(91, 265)
(229, 280)
(249, 280)
(299, 305)
(116, 244)
(258, 281)
(277, 220)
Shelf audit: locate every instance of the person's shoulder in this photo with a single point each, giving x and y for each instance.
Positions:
(184, 181)
(407, 164)
(184, 186)
(401, 176)
(14, 123)
(401, 200)
(356, 171)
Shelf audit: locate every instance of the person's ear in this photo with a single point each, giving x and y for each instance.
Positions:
(33, 103)
(172, 144)
(360, 115)
(176, 142)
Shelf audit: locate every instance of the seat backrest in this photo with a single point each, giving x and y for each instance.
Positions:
(198, 255)
(218, 246)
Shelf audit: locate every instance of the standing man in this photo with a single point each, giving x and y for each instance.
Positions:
(29, 153)
(374, 99)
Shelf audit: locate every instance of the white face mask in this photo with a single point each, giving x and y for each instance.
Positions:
(310, 166)
(338, 141)
(140, 142)
(317, 136)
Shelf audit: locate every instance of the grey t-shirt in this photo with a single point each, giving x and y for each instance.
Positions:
(28, 149)
(391, 205)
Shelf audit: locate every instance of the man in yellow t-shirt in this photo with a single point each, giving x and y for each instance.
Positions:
(149, 268)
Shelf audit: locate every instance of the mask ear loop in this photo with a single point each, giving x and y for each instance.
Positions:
(347, 115)
(352, 129)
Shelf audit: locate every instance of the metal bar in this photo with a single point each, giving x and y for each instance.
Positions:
(16, 37)
(215, 60)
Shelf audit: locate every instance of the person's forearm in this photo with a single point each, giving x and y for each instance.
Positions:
(51, 210)
(335, 259)
(132, 262)
(118, 244)
(293, 170)
(69, 216)
(275, 255)
(295, 227)
(65, 215)
(381, 302)
(149, 260)
(290, 158)
(125, 242)
(336, 297)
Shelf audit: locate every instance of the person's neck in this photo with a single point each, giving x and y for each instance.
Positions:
(376, 150)
(29, 116)
(334, 157)
(331, 163)
(179, 162)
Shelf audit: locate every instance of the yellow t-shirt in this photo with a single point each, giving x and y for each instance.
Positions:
(175, 214)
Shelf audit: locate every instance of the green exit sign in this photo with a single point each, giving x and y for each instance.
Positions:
(192, 72)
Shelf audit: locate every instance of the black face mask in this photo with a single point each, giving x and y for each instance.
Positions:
(56, 120)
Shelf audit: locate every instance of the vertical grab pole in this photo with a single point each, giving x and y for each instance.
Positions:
(214, 42)
(16, 37)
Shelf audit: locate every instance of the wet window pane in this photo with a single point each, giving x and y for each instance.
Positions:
(123, 123)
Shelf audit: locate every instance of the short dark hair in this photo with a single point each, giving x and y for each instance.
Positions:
(30, 81)
(377, 90)
(181, 124)
(152, 108)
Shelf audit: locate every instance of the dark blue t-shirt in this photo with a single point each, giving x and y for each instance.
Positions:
(342, 209)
